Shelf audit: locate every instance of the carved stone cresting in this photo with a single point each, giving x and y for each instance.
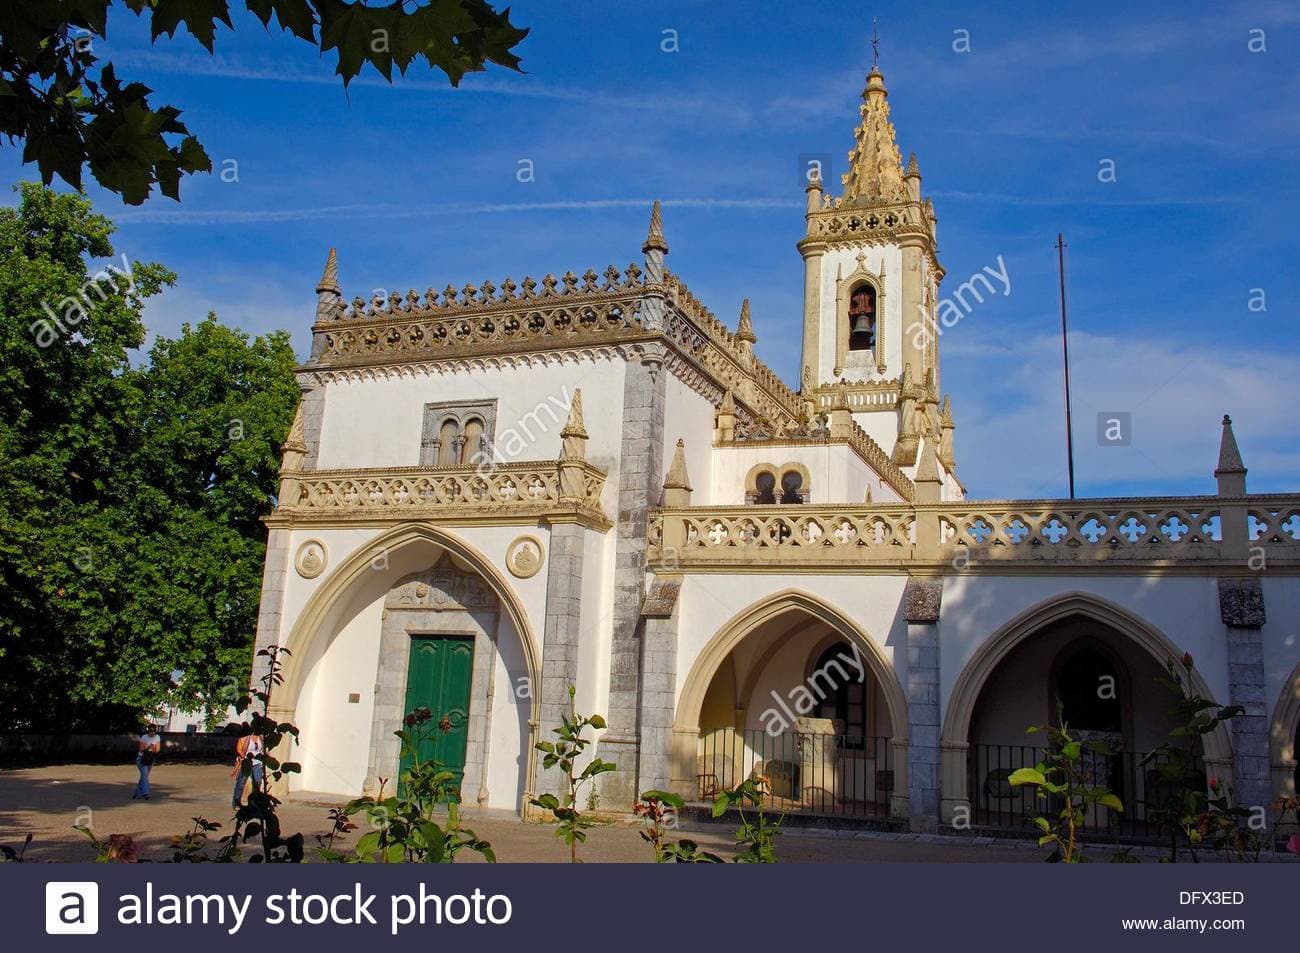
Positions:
(444, 587)
(525, 556)
(312, 558)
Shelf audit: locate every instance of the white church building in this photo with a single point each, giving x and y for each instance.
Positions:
(493, 493)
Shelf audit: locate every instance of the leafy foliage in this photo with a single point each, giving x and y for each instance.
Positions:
(758, 835)
(69, 116)
(1061, 780)
(661, 810)
(405, 827)
(130, 496)
(1188, 815)
(571, 824)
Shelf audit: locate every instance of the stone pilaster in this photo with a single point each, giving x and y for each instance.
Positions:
(639, 483)
(658, 684)
(270, 612)
(1241, 608)
(922, 599)
(312, 408)
(561, 628)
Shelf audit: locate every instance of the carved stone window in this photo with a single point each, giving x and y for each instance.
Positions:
(766, 484)
(457, 432)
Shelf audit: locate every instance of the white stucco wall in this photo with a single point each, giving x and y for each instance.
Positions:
(689, 416)
(1281, 635)
(838, 475)
(1185, 610)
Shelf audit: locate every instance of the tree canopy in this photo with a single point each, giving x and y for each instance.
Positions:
(131, 545)
(69, 116)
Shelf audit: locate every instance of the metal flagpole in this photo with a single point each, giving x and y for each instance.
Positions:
(1065, 355)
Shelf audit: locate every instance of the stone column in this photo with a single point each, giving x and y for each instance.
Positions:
(561, 628)
(1241, 607)
(658, 684)
(640, 473)
(922, 599)
(910, 310)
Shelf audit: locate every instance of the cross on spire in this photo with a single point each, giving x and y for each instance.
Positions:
(875, 43)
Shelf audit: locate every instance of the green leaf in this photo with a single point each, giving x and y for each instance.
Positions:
(1026, 776)
(1111, 801)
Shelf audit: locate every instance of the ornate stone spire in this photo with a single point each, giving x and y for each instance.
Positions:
(745, 330)
(875, 165)
(295, 445)
(573, 438)
(1231, 472)
(574, 426)
(947, 425)
(654, 239)
(927, 471)
(677, 478)
(329, 279)
(728, 404)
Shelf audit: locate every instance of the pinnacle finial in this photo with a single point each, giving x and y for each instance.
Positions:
(329, 279)
(1229, 455)
(927, 471)
(745, 329)
(913, 167)
(728, 405)
(677, 478)
(654, 239)
(575, 427)
(945, 417)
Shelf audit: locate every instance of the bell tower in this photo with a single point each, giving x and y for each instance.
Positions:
(871, 279)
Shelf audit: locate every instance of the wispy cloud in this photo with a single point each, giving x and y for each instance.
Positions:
(390, 210)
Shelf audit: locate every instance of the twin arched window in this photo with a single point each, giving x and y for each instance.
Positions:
(768, 485)
(456, 433)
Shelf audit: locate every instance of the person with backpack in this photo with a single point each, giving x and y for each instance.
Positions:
(146, 753)
(248, 763)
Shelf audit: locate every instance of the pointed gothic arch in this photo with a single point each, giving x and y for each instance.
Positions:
(690, 700)
(340, 585)
(955, 734)
(1284, 736)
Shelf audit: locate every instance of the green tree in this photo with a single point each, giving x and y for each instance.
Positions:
(130, 497)
(70, 116)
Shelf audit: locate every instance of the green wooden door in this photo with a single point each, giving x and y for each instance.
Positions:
(438, 677)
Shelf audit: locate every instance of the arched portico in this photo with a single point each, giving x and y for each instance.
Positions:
(799, 608)
(379, 564)
(1283, 731)
(954, 737)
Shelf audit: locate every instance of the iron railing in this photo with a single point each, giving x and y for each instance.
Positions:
(813, 773)
(1136, 781)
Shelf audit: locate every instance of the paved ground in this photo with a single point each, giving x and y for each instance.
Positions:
(48, 801)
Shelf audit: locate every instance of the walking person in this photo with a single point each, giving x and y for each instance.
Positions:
(146, 753)
(248, 763)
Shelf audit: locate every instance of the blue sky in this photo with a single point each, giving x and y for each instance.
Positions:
(416, 185)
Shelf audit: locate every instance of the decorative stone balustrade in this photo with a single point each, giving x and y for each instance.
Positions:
(991, 536)
(508, 493)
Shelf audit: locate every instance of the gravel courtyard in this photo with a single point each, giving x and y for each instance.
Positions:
(47, 801)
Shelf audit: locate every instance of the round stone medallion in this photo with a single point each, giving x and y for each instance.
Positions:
(524, 557)
(311, 559)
